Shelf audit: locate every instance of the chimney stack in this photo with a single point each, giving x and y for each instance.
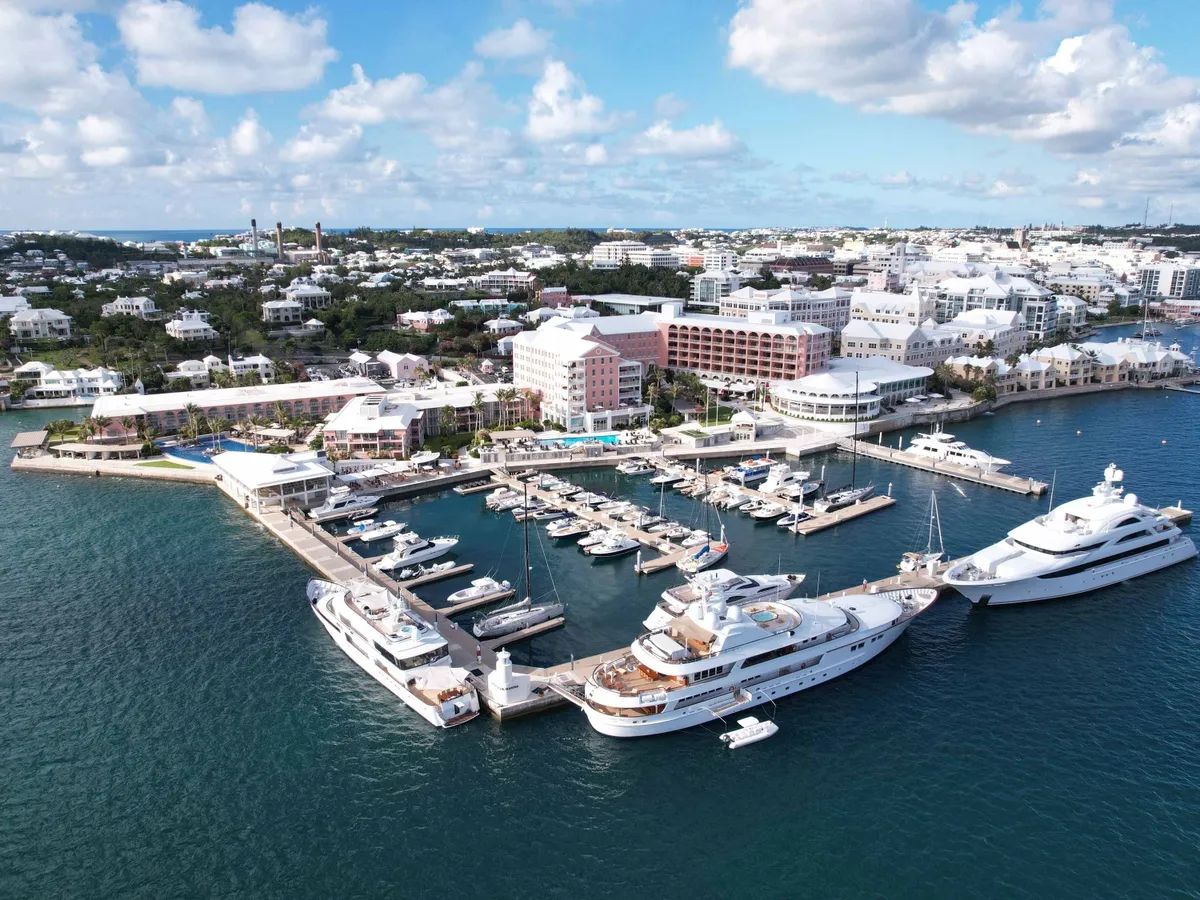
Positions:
(318, 230)
(254, 238)
(279, 240)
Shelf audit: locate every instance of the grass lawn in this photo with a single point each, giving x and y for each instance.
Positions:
(164, 464)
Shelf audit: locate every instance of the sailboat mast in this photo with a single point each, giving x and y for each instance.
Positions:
(525, 523)
(854, 437)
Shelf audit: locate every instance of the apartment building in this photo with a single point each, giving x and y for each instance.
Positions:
(253, 365)
(502, 282)
(829, 308)
(1003, 330)
(710, 288)
(900, 342)
(1171, 280)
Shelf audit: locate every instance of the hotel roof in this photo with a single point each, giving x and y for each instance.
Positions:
(119, 405)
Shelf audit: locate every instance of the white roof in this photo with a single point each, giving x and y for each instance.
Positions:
(120, 405)
(878, 368)
(256, 470)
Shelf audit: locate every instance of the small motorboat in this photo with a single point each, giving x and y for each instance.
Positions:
(751, 731)
(768, 511)
(735, 500)
(708, 554)
(592, 538)
(753, 505)
(694, 538)
(480, 587)
(548, 514)
(793, 519)
(567, 528)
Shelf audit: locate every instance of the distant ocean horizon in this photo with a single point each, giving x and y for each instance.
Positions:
(145, 235)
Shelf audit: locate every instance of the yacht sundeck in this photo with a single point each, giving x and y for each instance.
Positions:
(942, 447)
(724, 583)
(341, 503)
(751, 470)
(412, 548)
(1080, 546)
(396, 648)
(718, 660)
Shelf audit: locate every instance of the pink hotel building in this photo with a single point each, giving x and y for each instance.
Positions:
(589, 372)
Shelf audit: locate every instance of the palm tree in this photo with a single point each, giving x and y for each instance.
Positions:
(477, 405)
(130, 424)
(280, 413)
(448, 419)
(504, 397)
(99, 423)
(258, 422)
(193, 413)
(61, 427)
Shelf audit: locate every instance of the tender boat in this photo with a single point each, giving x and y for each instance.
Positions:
(594, 537)
(480, 587)
(736, 500)
(942, 447)
(513, 618)
(1076, 548)
(801, 491)
(381, 530)
(396, 648)
(342, 503)
(412, 548)
(724, 583)
(792, 519)
(718, 660)
(751, 731)
(568, 528)
(842, 498)
(695, 537)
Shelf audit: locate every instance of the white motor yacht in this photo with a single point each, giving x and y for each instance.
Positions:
(694, 538)
(635, 466)
(725, 583)
(1075, 548)
(717, 660)
(380, 530)
(500, 495)
(568, 528)
(942, 447)
(614, 544)
(597, 536)
(341, 503)
(768, 511)
(751, 470)
(412, 548)
(669, 475)
(479, 587)
(396, 648)
(782, 476)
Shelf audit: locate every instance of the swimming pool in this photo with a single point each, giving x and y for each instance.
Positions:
(195, 452)
(570, 440)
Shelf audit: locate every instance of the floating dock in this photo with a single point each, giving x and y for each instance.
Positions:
(820, 521)
(1014, 483)
(476, 602)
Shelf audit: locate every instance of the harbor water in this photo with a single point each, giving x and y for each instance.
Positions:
(176, 723)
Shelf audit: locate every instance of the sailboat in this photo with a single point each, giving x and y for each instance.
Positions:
(709, 553)
(917, 560)
(515, 617)
(848, 495)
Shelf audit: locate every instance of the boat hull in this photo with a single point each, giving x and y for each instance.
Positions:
(841, 660)
(376, 671)
(1033, 590)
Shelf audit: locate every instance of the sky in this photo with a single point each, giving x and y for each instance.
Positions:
(677, 113)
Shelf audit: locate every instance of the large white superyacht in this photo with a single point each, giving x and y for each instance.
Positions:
(717, 660)
(941, 446)
(397, 648)
(1080, 546)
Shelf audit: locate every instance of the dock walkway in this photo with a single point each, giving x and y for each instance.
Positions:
(1015, 483)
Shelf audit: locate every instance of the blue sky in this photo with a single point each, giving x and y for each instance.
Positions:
(163, 113)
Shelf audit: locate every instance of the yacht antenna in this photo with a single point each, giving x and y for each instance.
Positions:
(1053, 478)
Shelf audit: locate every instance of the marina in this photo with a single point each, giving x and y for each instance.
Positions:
(924, 675)
(1001, 480)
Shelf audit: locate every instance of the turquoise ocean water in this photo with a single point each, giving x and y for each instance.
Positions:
(176, 723)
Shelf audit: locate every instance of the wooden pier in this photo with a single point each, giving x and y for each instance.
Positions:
(1014, 483)
(820, 521)
(440, 575)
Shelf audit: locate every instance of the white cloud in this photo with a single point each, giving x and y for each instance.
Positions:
(191, 111)
(314, 144)
(595, 155)
(668, 106)
(1069, 78)
(561, 107)
(701, 142)
(517, 42)
(106, 157)
(249, 137)
(266, 49)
